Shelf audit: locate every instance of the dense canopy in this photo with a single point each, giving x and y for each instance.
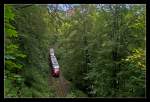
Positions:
(100, 49)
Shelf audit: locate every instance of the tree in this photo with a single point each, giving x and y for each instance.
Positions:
(13, 57)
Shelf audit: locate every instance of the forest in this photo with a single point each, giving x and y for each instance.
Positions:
(100, 48)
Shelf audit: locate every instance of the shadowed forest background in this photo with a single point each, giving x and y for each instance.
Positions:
(100, 49)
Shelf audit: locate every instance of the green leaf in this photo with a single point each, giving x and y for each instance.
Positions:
(10, 65)
(17, 76)
(7, 25)
(11, 49)
(11, 46)
(21, 55)
(7, 86)
(11, 32)
(8, 14)
(9, 57)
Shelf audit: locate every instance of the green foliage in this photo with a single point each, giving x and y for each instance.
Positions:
(137, 58)
(100, 50)
(33, 40)
(9, 15)
(11, 32)
(74, 92)
(13, 56)
(134, 75)
(106, 36)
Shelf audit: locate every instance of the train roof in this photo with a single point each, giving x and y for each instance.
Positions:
(51, 51)
(54, 61)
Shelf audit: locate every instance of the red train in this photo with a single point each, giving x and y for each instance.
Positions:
(55, 70)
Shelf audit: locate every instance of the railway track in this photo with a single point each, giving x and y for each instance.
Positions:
(59, 86)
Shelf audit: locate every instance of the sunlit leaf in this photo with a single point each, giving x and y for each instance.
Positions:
(11, 32)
